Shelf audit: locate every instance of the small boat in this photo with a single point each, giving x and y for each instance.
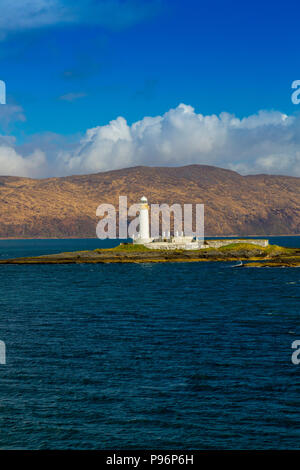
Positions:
(238, 265)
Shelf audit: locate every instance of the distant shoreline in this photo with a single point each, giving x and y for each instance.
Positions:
(94, 238)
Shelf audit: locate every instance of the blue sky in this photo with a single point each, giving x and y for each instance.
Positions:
(70, 67)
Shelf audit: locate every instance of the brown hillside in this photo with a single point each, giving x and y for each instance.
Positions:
(234, 204)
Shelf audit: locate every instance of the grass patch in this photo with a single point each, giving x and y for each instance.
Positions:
(130, 248)
(274, 249)
(270, 250)
(241, 246)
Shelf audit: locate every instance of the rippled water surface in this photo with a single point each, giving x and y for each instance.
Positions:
(141, 356)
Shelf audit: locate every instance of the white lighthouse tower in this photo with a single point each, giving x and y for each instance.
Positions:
(144, 234)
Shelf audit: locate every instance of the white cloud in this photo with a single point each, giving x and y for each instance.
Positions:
(14, 164)
(70, 97)
(266, 142)
(18, 15)
(10, 114)
(22, 15)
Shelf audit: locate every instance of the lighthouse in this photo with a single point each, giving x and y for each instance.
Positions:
(144, 234)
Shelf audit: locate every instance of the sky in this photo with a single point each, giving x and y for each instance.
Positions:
(95, 85)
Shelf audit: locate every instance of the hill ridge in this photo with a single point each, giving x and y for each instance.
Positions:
(66, 206)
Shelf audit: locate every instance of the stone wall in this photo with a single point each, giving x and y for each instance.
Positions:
(195, 245)
(219, 243)
(174, 246)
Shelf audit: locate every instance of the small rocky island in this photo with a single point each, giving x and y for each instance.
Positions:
(249, 254)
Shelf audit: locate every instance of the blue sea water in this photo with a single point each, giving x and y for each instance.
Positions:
(147, 356)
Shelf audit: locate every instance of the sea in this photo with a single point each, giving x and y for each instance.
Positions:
(147, 356)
